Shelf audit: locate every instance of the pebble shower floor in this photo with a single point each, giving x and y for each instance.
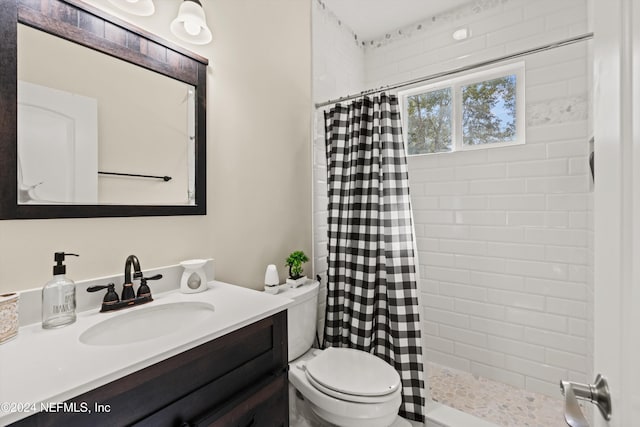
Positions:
(498, 403)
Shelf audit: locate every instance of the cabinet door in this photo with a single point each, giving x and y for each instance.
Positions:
(267, 404)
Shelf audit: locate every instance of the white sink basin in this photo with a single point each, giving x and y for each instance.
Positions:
(147, 323)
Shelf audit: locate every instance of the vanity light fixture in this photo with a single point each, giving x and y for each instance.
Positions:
(460, 34)
(135, 7)
(191, 24)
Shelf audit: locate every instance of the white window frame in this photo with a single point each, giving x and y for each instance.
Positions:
(456, 85)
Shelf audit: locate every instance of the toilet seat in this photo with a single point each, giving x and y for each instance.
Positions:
(346, 374)
(347, 397)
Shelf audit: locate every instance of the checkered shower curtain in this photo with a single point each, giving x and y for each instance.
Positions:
(372, 301)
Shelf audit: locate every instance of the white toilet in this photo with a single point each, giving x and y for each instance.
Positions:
(344, 387)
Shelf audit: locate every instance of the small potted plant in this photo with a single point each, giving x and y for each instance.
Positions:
(294, 262)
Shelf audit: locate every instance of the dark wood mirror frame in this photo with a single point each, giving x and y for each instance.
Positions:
(80, 23)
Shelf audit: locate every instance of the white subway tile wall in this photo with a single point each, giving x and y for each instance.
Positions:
(338, 69)
(504, 235)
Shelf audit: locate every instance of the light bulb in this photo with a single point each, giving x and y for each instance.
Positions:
(191, 28)
(191, 24)
(460, 34)
(135, 7)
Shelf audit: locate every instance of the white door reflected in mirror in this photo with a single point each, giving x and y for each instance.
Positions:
(57, 146)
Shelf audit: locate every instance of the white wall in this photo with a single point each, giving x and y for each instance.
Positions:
(338, 58)
(338, 69)
(503, 233)
(258, 172)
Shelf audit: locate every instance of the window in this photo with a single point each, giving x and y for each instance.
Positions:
(481, 110)
(429, 121)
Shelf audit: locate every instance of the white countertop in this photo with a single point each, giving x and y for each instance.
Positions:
(44, 366)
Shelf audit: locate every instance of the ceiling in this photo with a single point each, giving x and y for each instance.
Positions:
(371, 19)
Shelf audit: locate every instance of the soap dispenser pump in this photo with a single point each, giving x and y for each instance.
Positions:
(59, 296)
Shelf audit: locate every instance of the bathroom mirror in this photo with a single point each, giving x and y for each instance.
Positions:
(101, 118)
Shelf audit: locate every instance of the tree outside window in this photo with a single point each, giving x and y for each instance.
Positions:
(429, 122)
(489, 111)
(466, 113)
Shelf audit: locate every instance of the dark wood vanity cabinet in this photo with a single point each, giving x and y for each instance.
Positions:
(239, 379)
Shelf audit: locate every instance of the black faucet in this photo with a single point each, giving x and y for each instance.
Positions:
(129, 297)
(127, 286)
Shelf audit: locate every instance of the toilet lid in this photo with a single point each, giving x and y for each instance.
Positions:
(353, 372)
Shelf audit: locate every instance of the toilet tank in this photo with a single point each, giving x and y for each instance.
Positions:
(302, 317)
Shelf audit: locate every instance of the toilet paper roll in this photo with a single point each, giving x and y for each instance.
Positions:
(8, 316)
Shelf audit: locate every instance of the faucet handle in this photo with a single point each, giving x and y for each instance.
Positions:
(143, 289)
(111, 297)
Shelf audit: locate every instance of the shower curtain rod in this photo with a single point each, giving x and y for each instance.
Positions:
(565, 42)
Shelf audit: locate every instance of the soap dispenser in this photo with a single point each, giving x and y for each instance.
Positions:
(59, 296)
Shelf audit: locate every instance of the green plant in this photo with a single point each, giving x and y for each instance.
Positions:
(294, 262)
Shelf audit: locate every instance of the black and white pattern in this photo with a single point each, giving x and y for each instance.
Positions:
(372, 301)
